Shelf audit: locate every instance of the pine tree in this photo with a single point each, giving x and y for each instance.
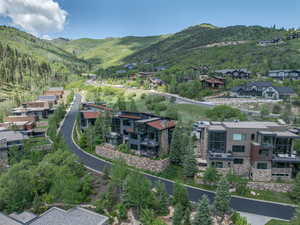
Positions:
(162, 199)
(190, 163)
(187, 217)
(180, 196)
(295, 193)
(176, 147)
(178, 215)
(222, 199)
(203, 215)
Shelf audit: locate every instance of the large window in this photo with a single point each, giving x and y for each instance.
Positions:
(238, 148)
(217, 164)
(264, 152)
(262, 166)
(217, 141)
(126, 123)
(238, 137)
(134, 147)
(238, 161)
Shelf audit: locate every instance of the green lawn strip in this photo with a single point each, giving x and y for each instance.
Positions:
(277, 222)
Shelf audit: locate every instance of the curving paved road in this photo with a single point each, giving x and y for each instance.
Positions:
(263, 208)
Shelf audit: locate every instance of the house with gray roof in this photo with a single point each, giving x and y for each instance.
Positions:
(56, 216)
(263, 90)
(235, 73)
(10, 139)
(284, 74)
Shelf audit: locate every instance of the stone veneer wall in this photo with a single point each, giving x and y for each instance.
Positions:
(261, 175)
(277, 187)
(132, 160)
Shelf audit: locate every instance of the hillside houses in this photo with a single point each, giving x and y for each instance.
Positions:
(284, 74)
(263, 90)
(235, 73)
(21, 124)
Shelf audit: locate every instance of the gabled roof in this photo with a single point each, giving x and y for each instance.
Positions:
(162, 124)
(284, 90)
(91, 115)
(76, 216)
(232, 70)
(260, 84)
(6, 220)
(214, 81)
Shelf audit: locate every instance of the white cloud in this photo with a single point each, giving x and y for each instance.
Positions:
(34, 16)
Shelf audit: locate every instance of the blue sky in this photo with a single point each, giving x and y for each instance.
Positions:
(115, 18)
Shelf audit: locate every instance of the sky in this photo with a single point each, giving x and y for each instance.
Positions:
(117, 18)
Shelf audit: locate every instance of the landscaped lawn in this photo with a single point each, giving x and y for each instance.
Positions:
(191, 113)
(277, 222)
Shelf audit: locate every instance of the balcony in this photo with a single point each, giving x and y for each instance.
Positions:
(149, 142)
(220, 156)
(291, 158)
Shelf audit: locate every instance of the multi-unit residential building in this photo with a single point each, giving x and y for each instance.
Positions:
(49, 98)
(55, 216)
(235, 73)
(10, 139)
(262, 151)
(90, 112)
(55, 91)
(263, 90)
(147, 134)
(284, 74)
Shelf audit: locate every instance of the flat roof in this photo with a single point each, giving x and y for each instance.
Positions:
(12, 135)
(216, 127)
(251, 124)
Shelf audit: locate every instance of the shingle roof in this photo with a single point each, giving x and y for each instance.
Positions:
(260, 84)
(6, 220)
(232, 70)
(162, 124)
(23, 217)
(284, 90)
(76, 216)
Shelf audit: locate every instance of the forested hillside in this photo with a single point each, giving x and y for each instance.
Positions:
(106, 52)
(237, 48)
(41, 50)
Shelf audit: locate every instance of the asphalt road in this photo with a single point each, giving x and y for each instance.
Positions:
(263, 208)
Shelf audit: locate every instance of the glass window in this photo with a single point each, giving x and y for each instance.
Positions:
(238, 148)
(135, 147)
(252, 137)
(264, 152)
(133, 136)
(238, 161)
(262, 166)
(238, 137)
(217, 164)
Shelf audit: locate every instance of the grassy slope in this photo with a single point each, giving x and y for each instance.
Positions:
(109, 51)
(42, 50)
(185, 48)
